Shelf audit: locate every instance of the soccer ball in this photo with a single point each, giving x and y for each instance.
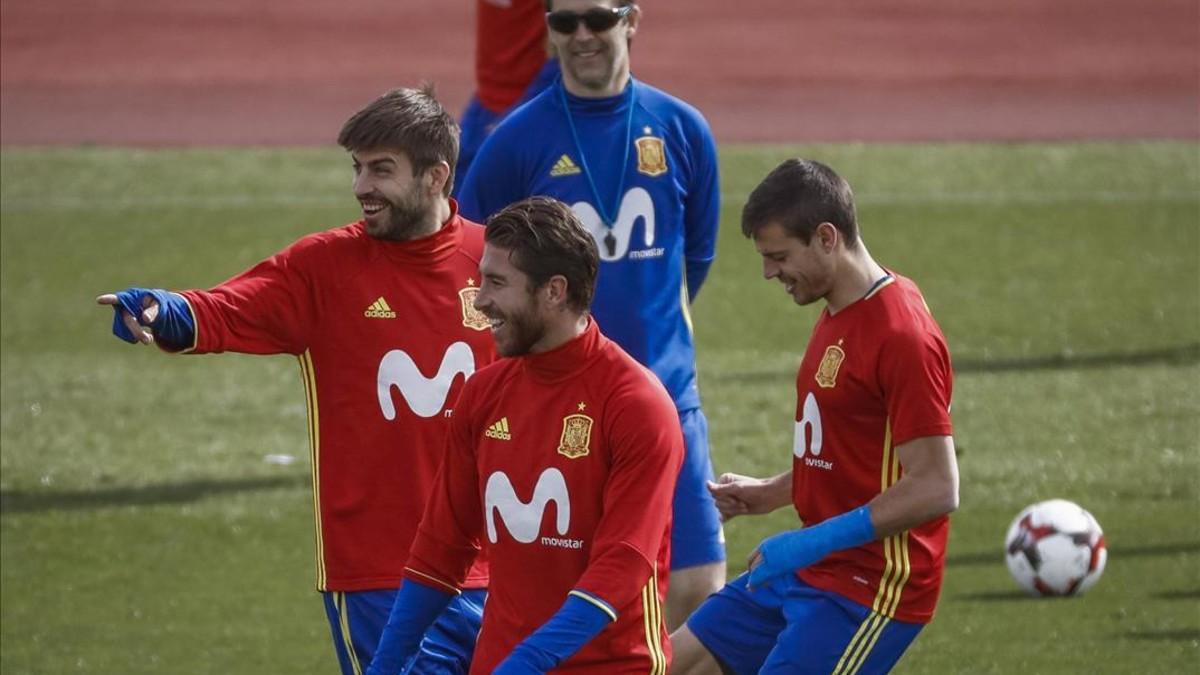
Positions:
(1055, 548)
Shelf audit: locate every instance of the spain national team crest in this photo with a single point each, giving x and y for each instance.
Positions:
(652, 157)
(576, 435)
(830, 363)
(472, 318)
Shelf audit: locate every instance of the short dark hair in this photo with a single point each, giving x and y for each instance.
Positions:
(545, 238)
(799, 195)
(411, 121)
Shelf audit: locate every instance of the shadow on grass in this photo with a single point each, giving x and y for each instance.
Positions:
(1182, 355)
(997, 557)
(13, 502)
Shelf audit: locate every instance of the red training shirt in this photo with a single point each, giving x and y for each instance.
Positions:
(875, 376)
(563, 465)
(386, 334)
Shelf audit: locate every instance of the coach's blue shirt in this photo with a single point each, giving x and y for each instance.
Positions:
(664, 216)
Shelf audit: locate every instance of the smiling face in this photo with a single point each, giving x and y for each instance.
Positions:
(394, 201)
(510, 301)
(594, 64)
(805, 270)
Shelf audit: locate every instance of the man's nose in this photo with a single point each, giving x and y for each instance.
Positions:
(770, 269)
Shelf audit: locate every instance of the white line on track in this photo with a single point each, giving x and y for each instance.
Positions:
(215, 202)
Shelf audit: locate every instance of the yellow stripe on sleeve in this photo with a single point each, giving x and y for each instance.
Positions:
(652, 622)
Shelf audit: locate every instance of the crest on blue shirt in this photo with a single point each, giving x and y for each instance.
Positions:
(652, 156)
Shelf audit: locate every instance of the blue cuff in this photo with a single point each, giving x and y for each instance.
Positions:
(416, 607)
(174, 328)
(796, 549)
(572, 626)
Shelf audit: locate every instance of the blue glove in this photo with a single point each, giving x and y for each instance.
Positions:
(174, 327)
(416, 607)
(571, 627)
(793, 550)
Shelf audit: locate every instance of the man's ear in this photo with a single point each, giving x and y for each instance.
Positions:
(437, 176)
(828, 236)
(555, 291)
(634, 19)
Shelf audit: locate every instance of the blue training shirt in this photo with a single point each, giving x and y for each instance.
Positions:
(664, 218)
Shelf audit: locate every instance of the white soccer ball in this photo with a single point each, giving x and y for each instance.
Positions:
(1055, 548)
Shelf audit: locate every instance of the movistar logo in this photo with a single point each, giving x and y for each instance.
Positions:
(614, 241)
(499, 430)
(379, 310)
(809, 437)
(426, 396)
(565, 167)
(524, 519)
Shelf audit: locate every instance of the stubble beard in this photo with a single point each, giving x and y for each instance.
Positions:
(406, 220)
(525, 330)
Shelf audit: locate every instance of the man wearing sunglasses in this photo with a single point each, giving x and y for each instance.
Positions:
(639, 168)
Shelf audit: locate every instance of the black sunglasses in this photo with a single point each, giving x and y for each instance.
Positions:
(596, 19)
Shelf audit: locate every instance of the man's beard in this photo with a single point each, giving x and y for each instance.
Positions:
(524, 330)
(406, 219)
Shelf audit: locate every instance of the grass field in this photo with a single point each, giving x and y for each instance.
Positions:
(143, 532)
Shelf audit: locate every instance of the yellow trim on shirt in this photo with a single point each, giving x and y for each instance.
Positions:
(652, 622)
(449, 587)
(314, 444)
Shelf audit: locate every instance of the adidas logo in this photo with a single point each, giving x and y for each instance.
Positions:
(499, 430)
(565, 167)
(379, 310)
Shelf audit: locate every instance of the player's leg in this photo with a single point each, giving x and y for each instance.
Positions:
(449, 643)
(733, 631)
(697, 542)
(827, 633)
(356, 620)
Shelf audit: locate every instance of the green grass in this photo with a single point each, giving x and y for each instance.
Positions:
(142, 531)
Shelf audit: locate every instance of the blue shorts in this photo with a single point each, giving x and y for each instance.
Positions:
(696, 535)
(357, 620)
(791, 627)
